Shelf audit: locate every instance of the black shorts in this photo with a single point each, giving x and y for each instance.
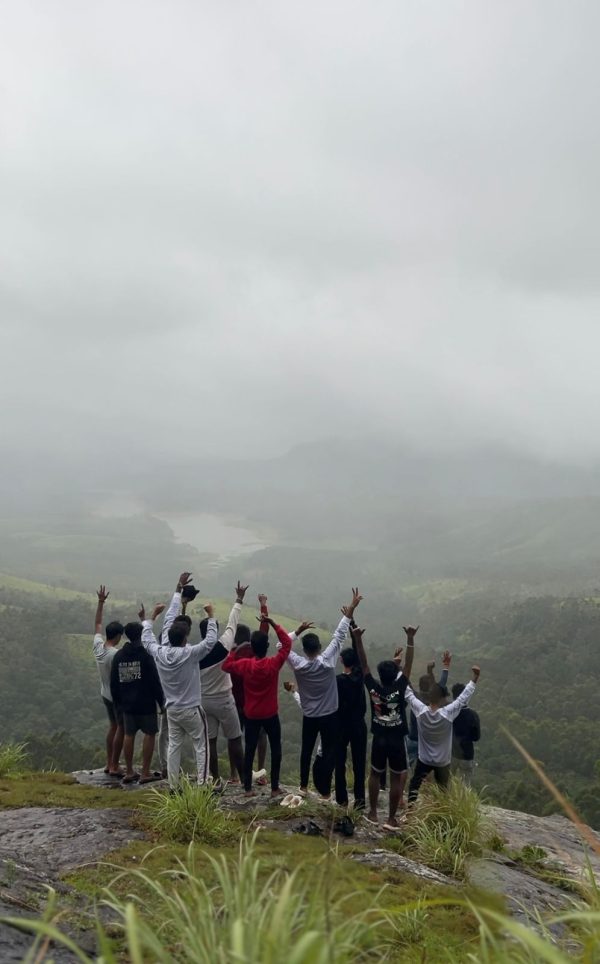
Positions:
(388, 749)
(115, 717)
(146, 722)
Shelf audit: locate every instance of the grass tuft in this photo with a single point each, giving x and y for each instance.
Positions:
(13, 759)
(446, 827)
(192, 813)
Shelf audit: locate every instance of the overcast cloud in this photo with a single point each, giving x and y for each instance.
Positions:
(307, 218)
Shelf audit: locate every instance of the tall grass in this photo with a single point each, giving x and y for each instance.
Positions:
(446, 827)
(13, 757)
(192, 813)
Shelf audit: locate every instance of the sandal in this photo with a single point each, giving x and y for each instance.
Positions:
(132, 779)
(153, 778)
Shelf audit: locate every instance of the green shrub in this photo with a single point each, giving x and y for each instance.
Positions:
(446, 827)
(13, 758)
(192, 813)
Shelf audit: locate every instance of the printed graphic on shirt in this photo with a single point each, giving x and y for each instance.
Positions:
(387, 705)
(128, 672)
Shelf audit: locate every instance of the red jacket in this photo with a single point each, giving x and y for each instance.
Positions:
(261, 678)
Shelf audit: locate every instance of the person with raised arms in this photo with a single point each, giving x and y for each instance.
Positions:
(105, 652)
(260, 674)
(318, 691)
(178, 668)
(388, 723)
(434, 724)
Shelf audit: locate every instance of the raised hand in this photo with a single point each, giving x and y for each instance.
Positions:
(184, 580)
(358, 633)
(240, 592)
(476, 672)
(262, 599)
(430, 667)
(158, 608)
(303, 627)
(209, 609)
(411, 631)
(142, 612)
(102, 594)
(356, 598)
(397, 657)
(266, 619)
(446, 659)
(289, 687)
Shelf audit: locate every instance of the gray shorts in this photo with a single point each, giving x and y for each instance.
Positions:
(222, 711)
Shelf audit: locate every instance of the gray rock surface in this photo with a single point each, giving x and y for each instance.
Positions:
(37, 844)
(386, 858)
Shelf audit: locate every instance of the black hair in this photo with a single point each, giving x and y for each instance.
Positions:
(388, 672)
(259, 642)
(178, 633)
(349, 657)
(242, 634)
(114, 629)
(311, 644)
(457, 690)
(133, 631)
(424, 683)
(204, 627)
(183, 619)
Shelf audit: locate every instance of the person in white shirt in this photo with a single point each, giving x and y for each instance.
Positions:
(104, 651)
(177, 665)
(317, 688)
(434, 726)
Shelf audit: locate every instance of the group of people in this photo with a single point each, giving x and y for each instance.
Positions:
(229, 682)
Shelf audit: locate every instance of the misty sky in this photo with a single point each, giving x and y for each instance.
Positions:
(301, 220)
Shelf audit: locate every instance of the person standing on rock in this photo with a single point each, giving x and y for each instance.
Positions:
(105, 651)
(352, 729)
(260, 674)
(136, 692)
(388, 723)
(434, 724)
(178, 666)
(217, 699)
(318, 691)
(466, 730)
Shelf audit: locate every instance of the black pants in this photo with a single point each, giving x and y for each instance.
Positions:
(442, 777)
(353, 734)
(272, 728)
(326, 728)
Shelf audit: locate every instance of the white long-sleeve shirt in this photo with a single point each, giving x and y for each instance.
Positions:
(215, 683)
(435, 726)
(178, 666)
(315, 678)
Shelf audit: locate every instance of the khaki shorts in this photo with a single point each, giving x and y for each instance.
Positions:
(222, 711)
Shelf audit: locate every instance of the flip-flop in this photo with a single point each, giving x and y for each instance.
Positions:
(373, 823)
(296, 801)
(132, 779)
(107, 771)
(153, 778)
(390, 828)
(117, 775)
(287, 800)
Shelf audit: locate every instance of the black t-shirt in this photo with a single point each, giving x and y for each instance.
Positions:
(388, 706)
(352, 704)
(465, 732)
(134, 682)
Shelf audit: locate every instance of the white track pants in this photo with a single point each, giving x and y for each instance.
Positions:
(182, 723)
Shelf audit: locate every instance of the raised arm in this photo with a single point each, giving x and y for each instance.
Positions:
(331, 653)
(415, 704)
(446, 660)
(264, 611)
(228, 638)
(286, 644)
(102, 595)
(357, 639)
(174, 606)
(203, 648)
(411, 632)
(149, 640)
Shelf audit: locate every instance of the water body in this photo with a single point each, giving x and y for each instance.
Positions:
(211, 533)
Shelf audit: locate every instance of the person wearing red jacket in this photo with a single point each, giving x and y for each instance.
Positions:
(260, 674)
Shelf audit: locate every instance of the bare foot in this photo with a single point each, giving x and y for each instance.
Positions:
(250, 793)
(277, 793)
(371, 817)
(392, 822)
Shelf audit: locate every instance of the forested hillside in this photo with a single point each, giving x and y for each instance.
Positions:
(539, 673)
